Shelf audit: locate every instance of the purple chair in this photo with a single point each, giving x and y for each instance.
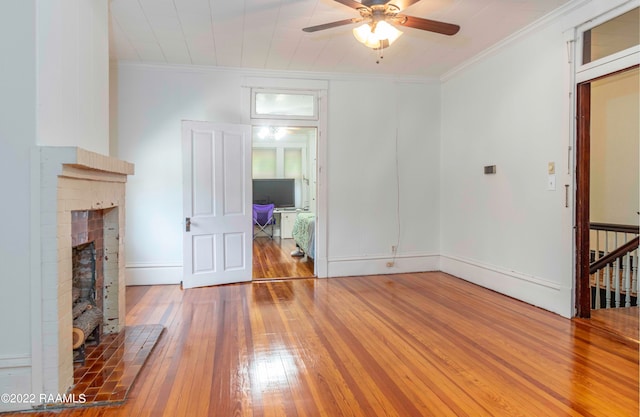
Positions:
(263, 218)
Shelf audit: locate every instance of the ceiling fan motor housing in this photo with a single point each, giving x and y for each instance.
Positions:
(378, 13)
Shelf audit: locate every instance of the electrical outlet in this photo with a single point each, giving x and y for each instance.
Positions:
(390, 264)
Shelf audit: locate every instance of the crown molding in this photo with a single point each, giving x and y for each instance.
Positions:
(495, 48)
(251, 72)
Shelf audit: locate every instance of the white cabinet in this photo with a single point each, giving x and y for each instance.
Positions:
(287, 220)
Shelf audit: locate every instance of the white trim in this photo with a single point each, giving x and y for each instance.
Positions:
(615, 62)
(284, 85)
(377, 264)
(15, 361)
(611, 12)
(570, 36)
(282, 123)
(305, 78)
(321, 89)
(384, 256)
(611, 63)
(321, 265)
(534, 290)
(153, 274)
(16, 378)
(36, 360)
(514, 274)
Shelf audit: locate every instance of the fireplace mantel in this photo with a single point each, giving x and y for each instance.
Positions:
(80, 162)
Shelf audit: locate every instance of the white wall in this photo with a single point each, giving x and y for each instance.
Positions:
(366, 120)
(362, 121)
(17, 136)
(54, 91)
(152, 102)
(512, 107)
(507, 231)
(73, 74)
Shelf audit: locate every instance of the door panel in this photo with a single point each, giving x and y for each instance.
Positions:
(233, 255)
(217, 190)
(203, 254)
(203, 157)
(233, 176)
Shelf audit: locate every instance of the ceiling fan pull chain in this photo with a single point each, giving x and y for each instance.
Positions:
(380, 56)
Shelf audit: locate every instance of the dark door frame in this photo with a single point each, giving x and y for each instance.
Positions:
(583, 164)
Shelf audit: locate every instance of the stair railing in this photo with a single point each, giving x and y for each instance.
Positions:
(614, 265)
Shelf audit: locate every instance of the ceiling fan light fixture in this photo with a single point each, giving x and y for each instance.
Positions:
(381, 36)
(271, 133)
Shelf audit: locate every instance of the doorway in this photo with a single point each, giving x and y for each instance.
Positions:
(284, 166)
(607, 191)
(607, 58)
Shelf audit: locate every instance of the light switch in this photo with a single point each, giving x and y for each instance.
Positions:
(551, 182)
(551, 168)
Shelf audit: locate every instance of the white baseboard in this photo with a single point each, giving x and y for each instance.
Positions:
(530, 289)
(149, 274)
(15, 378)
(377, 265)
(145, 274)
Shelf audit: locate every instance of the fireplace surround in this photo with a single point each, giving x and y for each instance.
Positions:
(73, 179)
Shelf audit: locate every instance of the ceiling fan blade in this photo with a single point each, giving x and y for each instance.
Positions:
(429, 25)
(332, 24)
(351, 3)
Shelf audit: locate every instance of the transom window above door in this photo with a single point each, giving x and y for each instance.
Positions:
(610, 37)
(294, 105)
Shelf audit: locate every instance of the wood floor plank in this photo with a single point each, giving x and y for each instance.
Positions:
(621, 321)
(424, 344)
(272, 260)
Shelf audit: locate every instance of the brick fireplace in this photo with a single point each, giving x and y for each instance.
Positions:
(74, 181)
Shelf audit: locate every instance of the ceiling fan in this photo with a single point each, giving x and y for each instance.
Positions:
(379, 15)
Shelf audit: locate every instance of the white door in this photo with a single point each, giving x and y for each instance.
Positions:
(218, 234)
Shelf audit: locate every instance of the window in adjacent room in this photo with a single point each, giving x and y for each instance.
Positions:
(264, 163)
(293, 163)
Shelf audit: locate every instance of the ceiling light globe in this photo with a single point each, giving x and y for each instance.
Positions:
(382, 36)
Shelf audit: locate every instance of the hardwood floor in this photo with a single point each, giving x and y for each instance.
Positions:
(623, 322)
(272, 259)
(423, 344)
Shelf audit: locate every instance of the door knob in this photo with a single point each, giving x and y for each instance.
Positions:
(187, 222)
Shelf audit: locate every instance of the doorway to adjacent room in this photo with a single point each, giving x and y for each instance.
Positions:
(285, 132)
(284, 166)
(607, 166)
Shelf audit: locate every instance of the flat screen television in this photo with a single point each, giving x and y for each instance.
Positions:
(279, 191)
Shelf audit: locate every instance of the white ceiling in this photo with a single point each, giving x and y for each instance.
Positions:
(267, 34)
